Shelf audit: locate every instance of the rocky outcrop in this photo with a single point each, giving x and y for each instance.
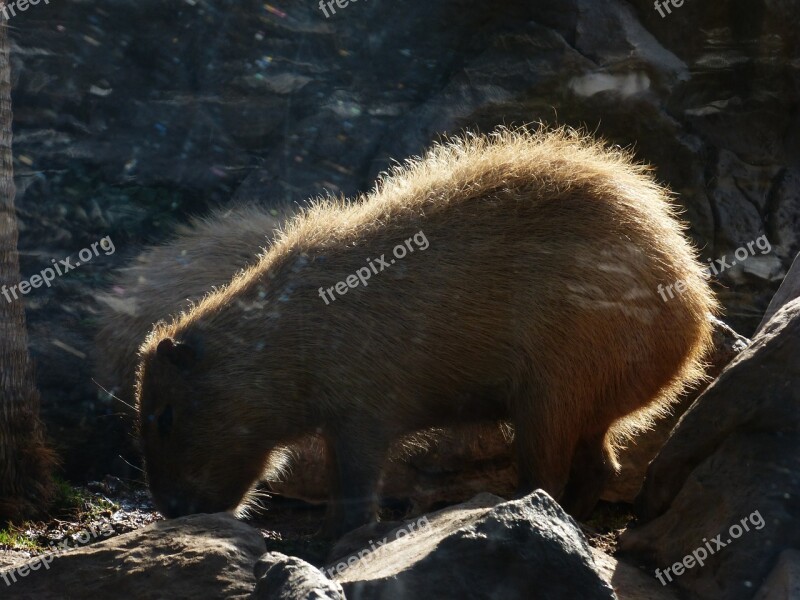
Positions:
(282, 577)
(486, 548)
(200, 556)
(730, 470)
(628, 579)
(789, 290)
(483, 548)
(784, 581)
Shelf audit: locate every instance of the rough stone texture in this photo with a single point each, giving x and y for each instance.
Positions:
(485, 548)
(734, 454)
(281, 577)
(629, 581)
(784, 581)
(789, 290)
(124, 130)
(200, 556)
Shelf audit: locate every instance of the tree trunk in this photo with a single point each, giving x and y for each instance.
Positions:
(25, 461)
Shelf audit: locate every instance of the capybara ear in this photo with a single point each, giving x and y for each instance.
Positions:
(181, 355)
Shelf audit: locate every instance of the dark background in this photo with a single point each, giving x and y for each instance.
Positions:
(131, 116)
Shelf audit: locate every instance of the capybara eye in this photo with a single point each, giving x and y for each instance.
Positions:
(165, 421)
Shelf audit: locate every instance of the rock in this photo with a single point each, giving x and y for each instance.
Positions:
(281, 577)
(789, 290)
(730, 469)
(682, 456)
(630, 582)
(784, 581)
(199, 556)
(485, 548)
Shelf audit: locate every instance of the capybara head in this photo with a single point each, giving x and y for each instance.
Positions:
(183, 418)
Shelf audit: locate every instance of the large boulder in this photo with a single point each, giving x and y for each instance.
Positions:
(789, 290)
(784, 581)
(486, 548)
(200, 556)
(730, 470)
(282, 577)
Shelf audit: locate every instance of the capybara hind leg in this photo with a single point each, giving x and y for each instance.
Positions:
(591, 469)
(537, 470)
(358, 457)
(543, 453)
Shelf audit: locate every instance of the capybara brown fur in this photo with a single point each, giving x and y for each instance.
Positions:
(166, 279)
(511, 276)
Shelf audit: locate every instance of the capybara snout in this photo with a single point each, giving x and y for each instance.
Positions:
(534, 300)
(171, 393)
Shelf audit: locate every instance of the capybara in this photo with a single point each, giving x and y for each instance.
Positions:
(511, 276)
(166, 279)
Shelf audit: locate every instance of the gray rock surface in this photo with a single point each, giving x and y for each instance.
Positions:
(486, 548)
(200, 556)
(281, 577)
(732, 463)
(629, 581)
(783, 582)
(789, 290)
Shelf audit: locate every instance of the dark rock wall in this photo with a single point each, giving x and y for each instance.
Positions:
(132, 115)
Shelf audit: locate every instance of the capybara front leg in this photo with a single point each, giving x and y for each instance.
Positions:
(358, 456)
(334, 514)
(591, 469)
